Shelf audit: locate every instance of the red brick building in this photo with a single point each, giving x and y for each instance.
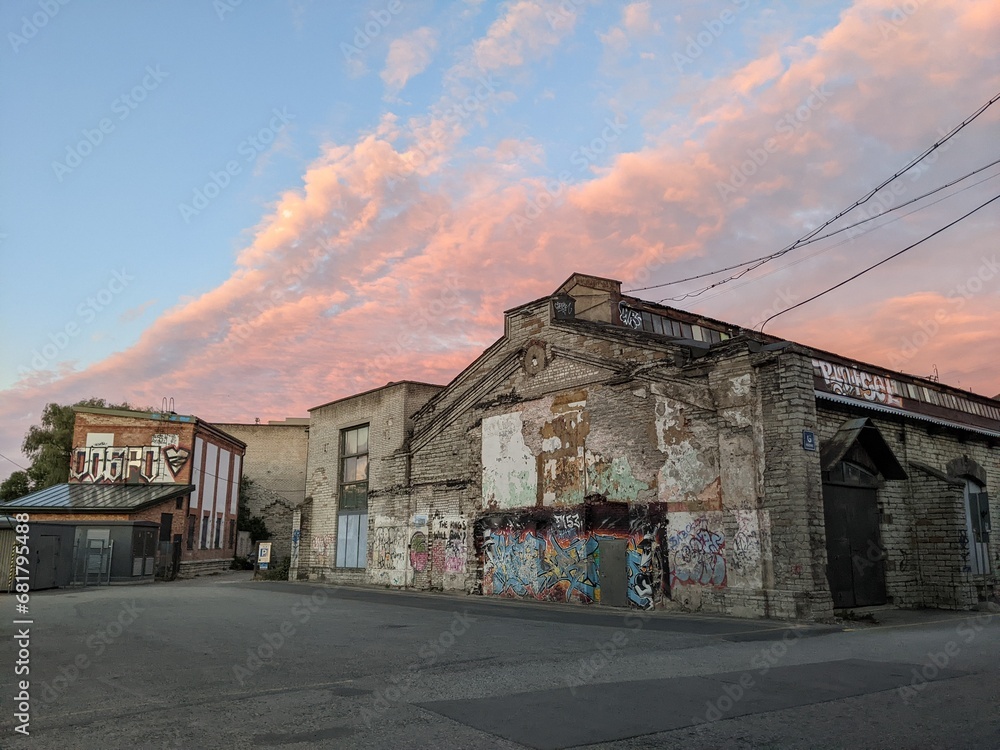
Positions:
(175, 470)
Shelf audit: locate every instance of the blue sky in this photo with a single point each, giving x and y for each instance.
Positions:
(151, 293)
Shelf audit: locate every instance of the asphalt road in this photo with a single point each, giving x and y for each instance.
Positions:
(224, 662)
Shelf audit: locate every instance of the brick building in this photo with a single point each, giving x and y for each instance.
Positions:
(609, 450)
(357, 478)
(127, 466)
(275, 461)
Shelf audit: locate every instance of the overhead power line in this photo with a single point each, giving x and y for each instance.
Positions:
(843, 242)
(812, 233)
(881, 262)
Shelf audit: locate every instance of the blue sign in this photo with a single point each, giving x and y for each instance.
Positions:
(809, 440)
(263, 566)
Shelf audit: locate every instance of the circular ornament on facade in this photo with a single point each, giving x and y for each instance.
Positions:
(534, 359)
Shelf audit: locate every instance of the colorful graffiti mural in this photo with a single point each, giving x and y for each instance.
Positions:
(554, 556)
(551, 566)
(418, 552)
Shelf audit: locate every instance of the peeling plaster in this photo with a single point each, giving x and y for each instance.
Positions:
(615, 480)
(509, 473)
(740, 385)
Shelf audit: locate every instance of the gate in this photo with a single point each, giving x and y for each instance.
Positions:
(855, 556)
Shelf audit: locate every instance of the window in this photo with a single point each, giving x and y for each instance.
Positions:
(354, 469)
(191, 521)
(204, 531)
(218, 532)
(352, 520)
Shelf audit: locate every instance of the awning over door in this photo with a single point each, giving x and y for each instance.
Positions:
(870, 439)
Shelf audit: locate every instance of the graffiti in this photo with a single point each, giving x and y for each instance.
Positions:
(455, 551)
(698, 554)
(387, 548)
(963, 549)
(437, 555)
(146, 464)
(322, 548)
(567, 521)
(850, 381)
(539, 566)
(631, 318)
(903, 561)
(644, 569)
(418, 552)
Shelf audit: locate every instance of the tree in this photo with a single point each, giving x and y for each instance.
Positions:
(49, 446)
(16, 485)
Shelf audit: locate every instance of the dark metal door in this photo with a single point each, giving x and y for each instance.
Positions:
(855, 564)
(612, 572)
(46, 562)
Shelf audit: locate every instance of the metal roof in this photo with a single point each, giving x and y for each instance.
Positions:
(97, 497)
(903, 413)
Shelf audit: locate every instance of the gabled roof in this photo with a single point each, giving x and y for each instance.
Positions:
(96, 498)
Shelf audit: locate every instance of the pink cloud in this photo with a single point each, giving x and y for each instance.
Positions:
(397, 254)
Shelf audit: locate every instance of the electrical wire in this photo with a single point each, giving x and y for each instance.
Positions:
(881, 262)
(844, 241)
(812, 233)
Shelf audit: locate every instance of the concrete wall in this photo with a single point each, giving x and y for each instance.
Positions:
(275, 460)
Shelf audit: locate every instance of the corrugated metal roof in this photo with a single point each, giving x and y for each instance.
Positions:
(904, 413)
(84, 497)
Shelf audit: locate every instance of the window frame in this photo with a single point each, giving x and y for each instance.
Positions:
(343, 459)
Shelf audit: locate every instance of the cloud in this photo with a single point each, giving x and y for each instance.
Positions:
(134, 313)
(397, 253)
(408, 56)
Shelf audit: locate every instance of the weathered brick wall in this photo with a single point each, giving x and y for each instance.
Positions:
(275, 460)
(923, 518)
(387, 412)
(688, 435)
(792, 492)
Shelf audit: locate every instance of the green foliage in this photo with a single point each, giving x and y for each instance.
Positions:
(49, 445)
(279, 572)
(16, 485)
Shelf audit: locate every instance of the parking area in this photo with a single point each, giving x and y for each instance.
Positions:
(227, 662)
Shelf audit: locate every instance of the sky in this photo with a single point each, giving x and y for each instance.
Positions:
(256, 208)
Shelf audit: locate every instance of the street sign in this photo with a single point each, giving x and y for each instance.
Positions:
(263, 566)
(264, 554)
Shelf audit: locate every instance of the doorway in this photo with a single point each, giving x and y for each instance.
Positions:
(855, 556)
(977, 530)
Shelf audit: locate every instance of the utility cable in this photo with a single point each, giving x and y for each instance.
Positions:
(881, 262)
(812, 233)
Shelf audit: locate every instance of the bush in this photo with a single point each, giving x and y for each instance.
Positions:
(279, 572)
